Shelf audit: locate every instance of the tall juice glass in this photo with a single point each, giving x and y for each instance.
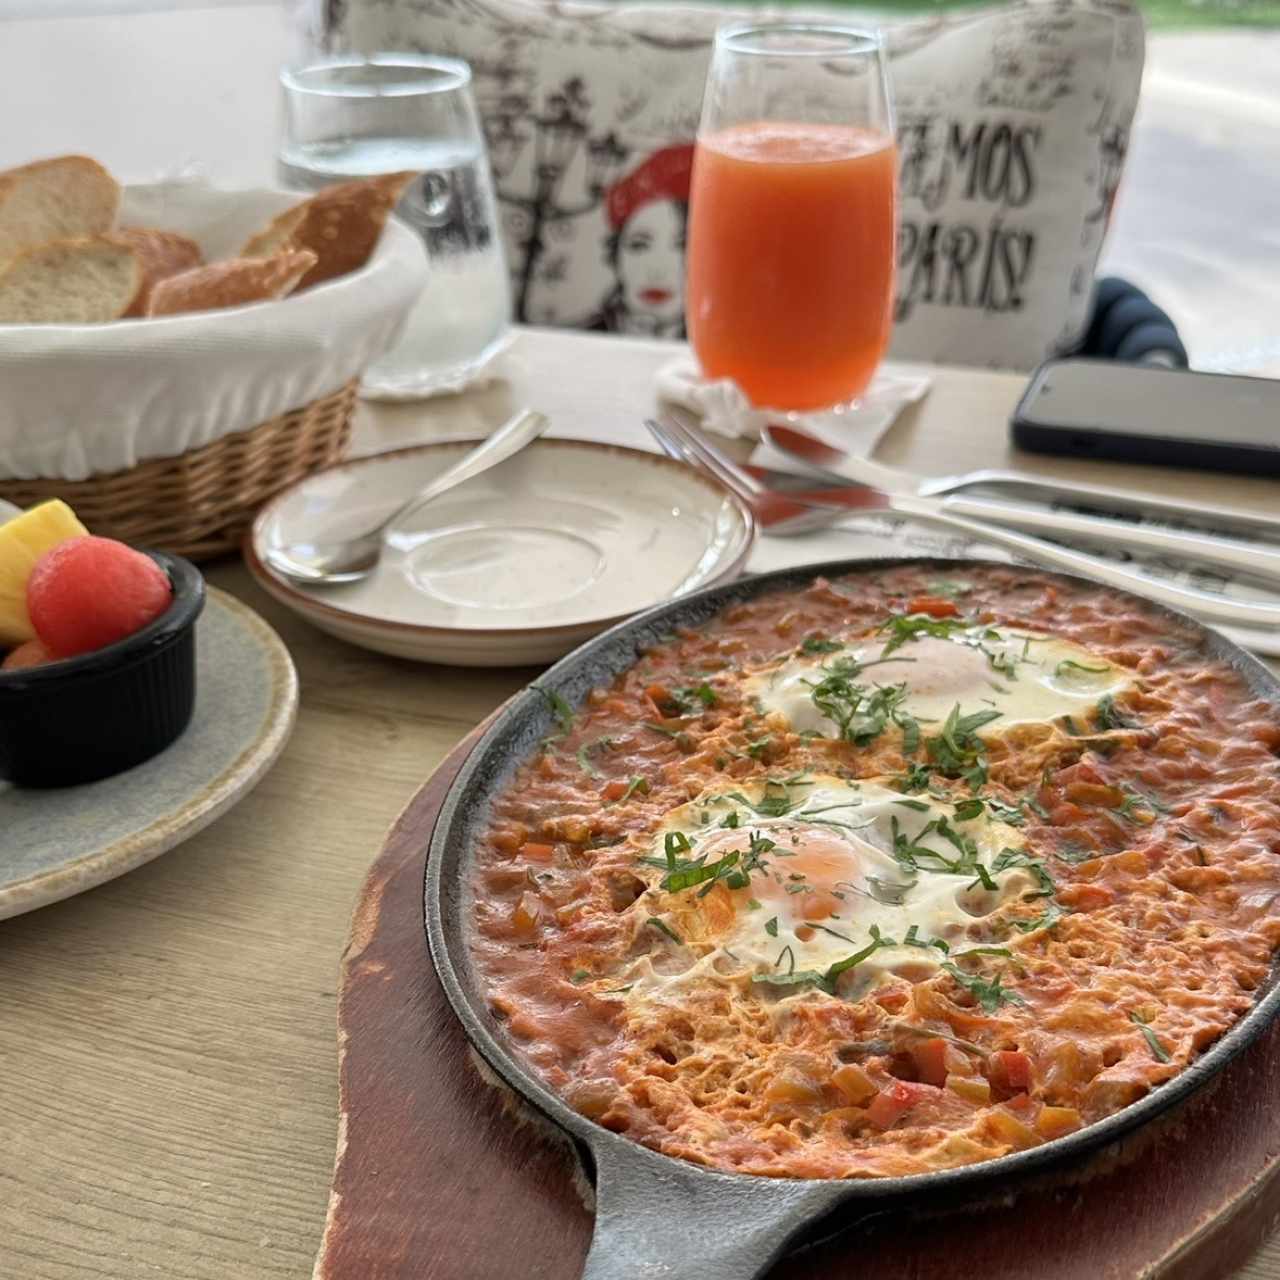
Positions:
(793, 213)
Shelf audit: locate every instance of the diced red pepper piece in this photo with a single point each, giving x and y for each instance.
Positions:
(1010, 1070)
(894, 1101)
(930, 1057)
(934, 606)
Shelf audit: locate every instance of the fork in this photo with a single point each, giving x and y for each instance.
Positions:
(842, 466)
(688, 445)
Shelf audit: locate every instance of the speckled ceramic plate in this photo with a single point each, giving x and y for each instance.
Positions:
(57, 843)
(515, 566)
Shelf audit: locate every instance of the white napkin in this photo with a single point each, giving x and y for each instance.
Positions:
(83, 400)
(724, 408)
(384, 381)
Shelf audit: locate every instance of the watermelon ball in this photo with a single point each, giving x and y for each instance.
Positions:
(86, 593)
(31, 654)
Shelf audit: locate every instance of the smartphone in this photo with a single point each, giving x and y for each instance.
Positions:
(1144, 413)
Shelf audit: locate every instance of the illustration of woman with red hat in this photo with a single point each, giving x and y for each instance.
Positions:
(648, 211)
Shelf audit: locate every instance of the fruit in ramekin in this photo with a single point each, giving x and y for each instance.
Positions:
(23, 540)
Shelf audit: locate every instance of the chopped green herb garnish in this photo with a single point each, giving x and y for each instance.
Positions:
(1030, 802)
(754, 904)
(663, 927)
(891, 894)
(701, 873)
(1008, 813)
(916, 778)
(775, 803)
(860, 712)
(1067, 665)
(580, 975)
(702, 693)
(637, 785)
(1045, 920)
(844, 804)
(1009, 858)
(678, 736)
(584, 754)
(918, 805)
(967, 810)
(795, 978)
(912, 853)
(1135, 799)
(820, 644)
(1158, 1051)
(558, 707)
(827, 980)
(990, 994)
(849, 962)
(910, 626)
(1069, 726)
(757, 748)
(1108, 716)
(730, 821)
(676, 842)
(912, 940)
(957, 751)
(1074, 852)
(844, 937)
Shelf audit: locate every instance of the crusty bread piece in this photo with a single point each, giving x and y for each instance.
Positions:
(53, 200)
(162, 254)
(341, 225)
(234, 282)
(82, 281)
(276, 235)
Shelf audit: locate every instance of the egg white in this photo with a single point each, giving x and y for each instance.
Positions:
(1025, 676)
(832, 848)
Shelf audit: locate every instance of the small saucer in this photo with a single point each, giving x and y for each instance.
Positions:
(516, 566)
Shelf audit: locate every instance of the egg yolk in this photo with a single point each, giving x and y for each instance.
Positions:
(804, 868)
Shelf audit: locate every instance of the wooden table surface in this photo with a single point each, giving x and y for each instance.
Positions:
(167, 1058)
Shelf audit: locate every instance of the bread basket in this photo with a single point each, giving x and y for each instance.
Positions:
(172, 432)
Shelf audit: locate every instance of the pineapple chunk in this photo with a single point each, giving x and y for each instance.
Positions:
(23, 540)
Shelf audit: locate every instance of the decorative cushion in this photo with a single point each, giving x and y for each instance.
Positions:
(1013, 125)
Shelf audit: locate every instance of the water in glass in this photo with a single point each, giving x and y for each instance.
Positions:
(385, 126)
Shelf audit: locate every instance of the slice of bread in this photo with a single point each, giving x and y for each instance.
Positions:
(341, 225)
(234, 282)
(82, 281)
(276, 235)
(162, 254)
(53, 200)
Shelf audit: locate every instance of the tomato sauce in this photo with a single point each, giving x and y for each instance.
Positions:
(1160, 831)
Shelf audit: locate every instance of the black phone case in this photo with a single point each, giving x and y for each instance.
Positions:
(1167, 451)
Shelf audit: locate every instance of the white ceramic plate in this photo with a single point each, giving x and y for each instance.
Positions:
(517, 566)
(60, 842)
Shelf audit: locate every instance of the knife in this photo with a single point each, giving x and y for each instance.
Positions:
(837, 464)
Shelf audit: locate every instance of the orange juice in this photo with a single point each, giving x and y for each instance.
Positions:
(791, 249)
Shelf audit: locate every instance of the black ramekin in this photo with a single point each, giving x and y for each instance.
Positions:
(87, 717)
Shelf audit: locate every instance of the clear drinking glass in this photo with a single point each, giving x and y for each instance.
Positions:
(793, 214)
(388, 112)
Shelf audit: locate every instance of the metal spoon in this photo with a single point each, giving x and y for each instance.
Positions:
(349, 560)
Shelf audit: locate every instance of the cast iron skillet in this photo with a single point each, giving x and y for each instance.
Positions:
(657, 1215)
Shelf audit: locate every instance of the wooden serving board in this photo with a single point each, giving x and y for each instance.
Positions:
(441, 1175)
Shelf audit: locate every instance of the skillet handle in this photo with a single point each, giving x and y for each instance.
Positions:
(656, 1216)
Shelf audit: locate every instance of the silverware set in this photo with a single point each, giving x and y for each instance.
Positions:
(785, 504)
